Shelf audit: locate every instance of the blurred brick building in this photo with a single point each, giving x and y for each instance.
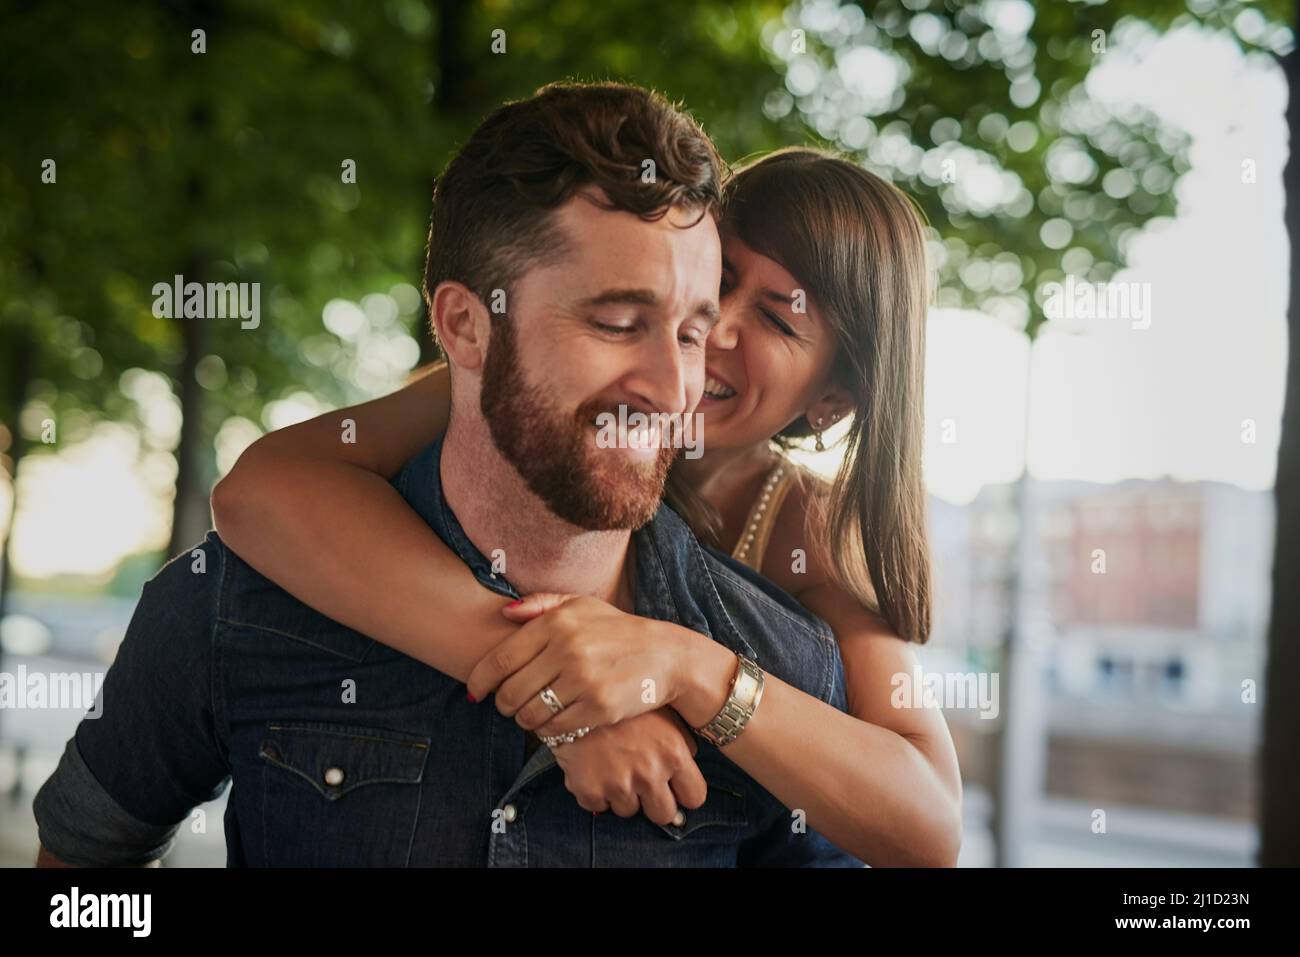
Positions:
(1156, 598)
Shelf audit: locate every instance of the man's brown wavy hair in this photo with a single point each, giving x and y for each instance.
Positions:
(491, 218)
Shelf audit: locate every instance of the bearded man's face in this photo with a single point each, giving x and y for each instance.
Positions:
(620, 320)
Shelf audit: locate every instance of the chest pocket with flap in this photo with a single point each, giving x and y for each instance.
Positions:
(339, 795)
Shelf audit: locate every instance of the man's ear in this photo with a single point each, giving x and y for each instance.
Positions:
(461, 323)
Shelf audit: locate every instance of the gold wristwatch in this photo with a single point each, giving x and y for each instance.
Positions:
(746, 692)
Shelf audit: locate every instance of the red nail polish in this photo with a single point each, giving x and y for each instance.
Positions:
(517, 601)
(472, 699)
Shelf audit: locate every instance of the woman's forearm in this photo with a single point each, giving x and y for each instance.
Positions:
(866, 788)
(406, 588)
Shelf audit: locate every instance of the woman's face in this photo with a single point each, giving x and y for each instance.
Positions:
(766, 363)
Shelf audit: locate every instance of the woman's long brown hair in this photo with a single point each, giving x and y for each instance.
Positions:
(856, 244)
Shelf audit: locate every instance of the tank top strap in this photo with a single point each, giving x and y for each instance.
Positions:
(762, 516)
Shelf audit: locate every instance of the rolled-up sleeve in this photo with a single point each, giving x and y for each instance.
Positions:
(153, 748)
(80, 823)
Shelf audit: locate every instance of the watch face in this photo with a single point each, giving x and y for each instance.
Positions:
(746, 687)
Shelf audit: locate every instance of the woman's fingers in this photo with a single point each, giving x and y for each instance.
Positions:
(536, 715)
(520, 697)
(594, 805)
(658, 803)
(509, 656)
(625, 804)
(689, 787)
(580, 714)
(521, 692)
(530, 606)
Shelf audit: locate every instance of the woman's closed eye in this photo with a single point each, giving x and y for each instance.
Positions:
(779, 323)
(776, 321)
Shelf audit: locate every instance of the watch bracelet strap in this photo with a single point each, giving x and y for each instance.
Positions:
(734, 716)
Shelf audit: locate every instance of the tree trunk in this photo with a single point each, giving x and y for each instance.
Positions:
(22, 355)
(1280, 763)
(457, 89)
(190, 512)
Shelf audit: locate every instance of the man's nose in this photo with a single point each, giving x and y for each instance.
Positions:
(664, 378)
(724, 332)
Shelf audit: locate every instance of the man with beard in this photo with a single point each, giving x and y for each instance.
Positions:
(562, 284)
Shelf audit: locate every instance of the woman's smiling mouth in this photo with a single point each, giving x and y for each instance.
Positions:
(715, 388)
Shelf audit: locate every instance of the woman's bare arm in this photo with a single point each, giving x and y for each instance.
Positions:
(317, 516)
(879, 781)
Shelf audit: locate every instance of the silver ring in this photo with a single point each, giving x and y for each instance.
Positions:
(552, 702)
(551, 740)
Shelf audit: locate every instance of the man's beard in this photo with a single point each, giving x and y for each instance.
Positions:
(593, 488)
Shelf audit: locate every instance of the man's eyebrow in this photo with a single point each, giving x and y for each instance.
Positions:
(709, 310)
(637, 297)
(647, 297)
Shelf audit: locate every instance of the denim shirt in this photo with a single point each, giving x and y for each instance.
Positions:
(343, 752)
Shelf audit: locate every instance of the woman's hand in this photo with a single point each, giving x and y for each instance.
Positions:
(645, 764)
(603, 664)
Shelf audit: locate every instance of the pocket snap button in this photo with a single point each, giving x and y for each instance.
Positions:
(679, 818)
(334, 777)
(509, 812)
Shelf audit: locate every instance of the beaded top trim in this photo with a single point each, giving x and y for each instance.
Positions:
(762, 515)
